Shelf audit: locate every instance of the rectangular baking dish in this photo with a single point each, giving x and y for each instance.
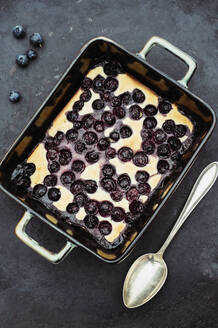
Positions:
(91, 54)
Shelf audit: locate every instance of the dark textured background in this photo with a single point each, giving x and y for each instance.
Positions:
(83, 291)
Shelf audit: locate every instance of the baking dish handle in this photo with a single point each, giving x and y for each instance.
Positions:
(188, 60)
(54, 258)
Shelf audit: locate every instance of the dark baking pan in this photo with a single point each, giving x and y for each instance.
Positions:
(90, 55)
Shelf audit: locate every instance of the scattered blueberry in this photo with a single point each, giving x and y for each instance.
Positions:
(124, 181)
(77, 125)
(108, 184)
(108, 118)
(72, 208)
(142, 176)
(115, 101)
(132, 194)
(98, 104)
(19, 31)
(111, 84)
(98, 84)
(91, 221)
(86, 96)
(79, 147)
(36, 40)
(117, 195)
(22, 60)
(135, 112)
(125, 131)
(39, 190)
(105, 208)
(99, 126)
(112, 68)
(91, 206)
(29, 169)
(72, 135)
(54, 194)
(14, 96)
(169, 126)
(125, 98)
(138, 96)
(136, 207)
(174, 143)
(77, 187)
(58, 138)
(86, 83)
(180, 130)
(31, 54)
(50, 180)
(92, 157)
(110, 153)
(52, 155)
(91, 186)
(105, 228)
(22, 182)
(67, 178)
(80, 199)
(78, 105)
(150, 110)
(164, 106)
(72, 115)
(140, 159)
(78, 166)
(114, 136)
(87, 121)
(90, 137)
(148, 147)
(150, 123)
(106, 96)
(119, 112)
(53, 167)
(108, 170)
(117, 214)
(163, 151)
(146, 134)
(103, 144)
(125, 154)
(160, 136)
(65, 156)
(144, 188)
(49, 143)
(162, 166)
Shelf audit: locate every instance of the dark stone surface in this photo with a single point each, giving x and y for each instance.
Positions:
(83, 291)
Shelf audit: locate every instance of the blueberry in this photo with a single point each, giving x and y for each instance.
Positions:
(111, 84)
(72, 208)
(98, 104)
(92, 157)
(114, 136)
(19, 31)
(98, 84)
(78, 105)
(22, 60)
(49, 143)
(108, 170)
(125, 98)
(80, 199)
(29, 169)
(108, 184)
(22, 181)
(86, 96)
(162, 166)
(117, 195)
(72, 135)
(52, 155)
(72, 115)
(144, 188)
(91, 186)
(146, 134)
(125, 131)
(119, 112)
(67, 178)
(110, 153)
(117, 214)
(79, 147)
(148, 147)
(180, 130)
(65, 156)
(125, 154)
(115, 101)
(105, 96)
(87, 121)
(90, 137)
(140, 159)
(160, 136)
(142, 176)
(150, 123)
(78, 166)
(54, 194)
(91, 221)
(86, 83)
(150, 110)
(108, 118)
(130, 218)
(31, 54)
(164, 106)
(58, 138)
(124, 181)
(53, 167)
(36, 40)
(138, 96)
(91, 207)
(169, 126)
(99, 126)
(39, 190)
(103, 144)
(113, 68)
(163, 151)
(105, 228)
(77, 187)
(132, 194)
(50, 180)
(14, 96)
(135, 112)
(77, 125)
(136, 207)
(174, 143)
(105, 208)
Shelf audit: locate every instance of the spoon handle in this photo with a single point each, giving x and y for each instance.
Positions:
(202, 185)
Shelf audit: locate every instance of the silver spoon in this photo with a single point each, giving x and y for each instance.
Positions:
(148, 273)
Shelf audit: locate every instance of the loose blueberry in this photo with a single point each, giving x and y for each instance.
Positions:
(150, 123)
(180, 130)
(53, 167)
(67, 178)
(86, 96)
(114, 136)
(125, 154)
(77, 125)
(136, 207)
(39, 190)
(108, 118)
(140, 159)
(65, 156)
(72, 208)
(163, 151)
(91, 186)
(138, 96)
(110, 153)
(105, 228)
(132, 194)
(98, 84)
(77, 187)
(150, 110)
(79, 147)
(90, 137)
(117, 214)
(91, 221)
(80, 199)
(111, 84)
(32, 54)
(125, 131)
(113, 68)
(125, 98)
(115, 101)
(162, 166)
(19, 31)
(49, 143)
(176, 156)
(160, 136)
(164, 106)
(169, 126)
(103, 144)
(117, 195)
(105, 96)
(131, 218)
(36, 40)
(98, 104)
(72, 115)
(142, 176)
(91, 207)
(14, 96)
(174, 143)
(148, 147)
(78, 105)
(108, 170)
(86, 83)
(22, 60)
(92, 157)
(135, 112)
(108, 184)
(29, 169)
(124, 181)
(99, 126)
(105, 208)
(72, 135)
(54, 194)
(119, 112)
(87, 121)
(144, 188)
(58, 138)
(78, 166)
(22, 182)
(50, 180)
(52, 155)
(146, 134)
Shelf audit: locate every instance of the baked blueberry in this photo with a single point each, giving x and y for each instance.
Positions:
(113, 68)
(49, 143)
(150, 110)
(87, 121)
(132, 194)
(80, 199)
(164, 106)
(52, 155)
(32, 54)
(72, 115)
(86, 83)
(103, 144)
(39, 190)
(53, 167)
(14, 96)
(65, 156)
(91, 186)
(114, 136)
(144, 188)
(77, 187)
(78, 105)
(72, 208)
(86, 95)
(90, 137)
(111, 84)
(126, 98)
(124, 181)
(125, 131)
(163, 151)
(150, 122)
(78, 166)
(162, 166)
(142, 176)
(105, 228)
(92, 157)
(29, 169)
(148, 147)
(98, 84)
(117, 195)
(140, 159)
(110, 153)
(169, 126)
(176, 156)
(136, 207)
(135, 112)
(91, 221)
(125, 154)
(117, 214)
(91, 206)
(79, 147)
(115, 101)
(180, 130)
(54, 194)
(50, 180)
(22, 182)
(67, 178)
(105, 96)
(19, 31)
(72, 135)
(108, 118)
(174, 143)
(36, 40)
(146, 134)
(119, 112)
(22, 60)
(131, 218)
(58, 138)
(98, 104)
(77, 125)
(108, 170)
(105, 208)
(138, 96)
(159, 136)
(108, 184)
